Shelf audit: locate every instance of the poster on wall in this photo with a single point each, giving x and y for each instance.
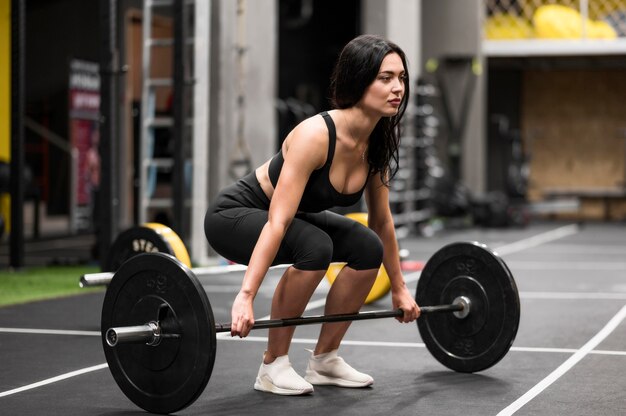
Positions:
(84, 110)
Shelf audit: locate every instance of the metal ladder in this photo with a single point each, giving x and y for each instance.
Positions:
(179, 123)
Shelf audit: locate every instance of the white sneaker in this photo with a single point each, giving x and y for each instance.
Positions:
(279, 377)
(330, 369)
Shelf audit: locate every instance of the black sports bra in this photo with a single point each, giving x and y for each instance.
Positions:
(319, 194)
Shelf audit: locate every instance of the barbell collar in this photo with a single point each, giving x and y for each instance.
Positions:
(95, 279)
(467, 305)
(150, 334)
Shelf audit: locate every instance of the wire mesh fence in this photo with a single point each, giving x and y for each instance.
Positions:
(555, 19)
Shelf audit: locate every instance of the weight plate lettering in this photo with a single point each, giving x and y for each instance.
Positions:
(147, 238)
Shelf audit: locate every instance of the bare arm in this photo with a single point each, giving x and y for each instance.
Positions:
(381, 222)
(306, 151)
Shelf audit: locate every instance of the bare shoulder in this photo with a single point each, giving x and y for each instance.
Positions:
(309, 137)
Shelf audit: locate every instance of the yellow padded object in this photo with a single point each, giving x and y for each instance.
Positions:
(177, 245)
(554, 21)
(381, 286)
(507, 26)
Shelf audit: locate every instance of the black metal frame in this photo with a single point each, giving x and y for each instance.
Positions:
(180, 131)
(18, 89)
(109, 69)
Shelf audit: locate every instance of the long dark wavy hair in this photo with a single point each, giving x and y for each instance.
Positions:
(355, 70)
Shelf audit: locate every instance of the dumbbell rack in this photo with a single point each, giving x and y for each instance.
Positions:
(409, 195)
(427, 162)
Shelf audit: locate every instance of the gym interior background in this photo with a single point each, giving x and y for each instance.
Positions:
(517, 110)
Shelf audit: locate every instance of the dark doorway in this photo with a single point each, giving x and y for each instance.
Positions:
(311, 35)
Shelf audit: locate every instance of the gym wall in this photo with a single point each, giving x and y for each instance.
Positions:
(573, 124)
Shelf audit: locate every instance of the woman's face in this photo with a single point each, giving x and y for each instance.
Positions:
(384, 95)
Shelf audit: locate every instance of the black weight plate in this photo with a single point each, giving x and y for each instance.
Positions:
(171, 375)
(481, 339)
(134, 241)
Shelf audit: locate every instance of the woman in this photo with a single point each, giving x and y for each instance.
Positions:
(278, 215)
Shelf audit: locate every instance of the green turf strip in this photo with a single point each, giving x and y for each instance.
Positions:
(41, 283)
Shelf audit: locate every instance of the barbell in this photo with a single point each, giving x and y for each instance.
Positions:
(159, 333)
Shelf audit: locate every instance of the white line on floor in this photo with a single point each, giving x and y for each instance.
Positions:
(573, 295)
(567, 265)
(567, 365)
(312, 342)
(414, 277)
(321, 302)
(538, 239)
(574, 249)
(521, 245)
(389, 344)
(312, 305)
(54, 379)
(50, 331)
(566, 351)
(605, 352)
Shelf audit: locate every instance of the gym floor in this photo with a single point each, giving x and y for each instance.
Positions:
(569, 356)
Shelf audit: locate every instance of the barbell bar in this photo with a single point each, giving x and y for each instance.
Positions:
(104, 278)
(151, 334)
(159, 333)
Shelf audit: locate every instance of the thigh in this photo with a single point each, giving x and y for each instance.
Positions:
(233, 232)
(353, 243)
(306, 246)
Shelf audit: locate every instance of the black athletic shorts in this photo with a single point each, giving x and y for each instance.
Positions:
(234, 222)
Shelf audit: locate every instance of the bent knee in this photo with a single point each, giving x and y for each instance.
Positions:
(316, 254)
(367, 252)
